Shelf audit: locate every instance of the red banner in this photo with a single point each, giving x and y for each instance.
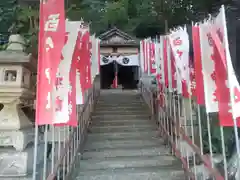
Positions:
(80, 80)
(165, 61)
(147, 46)
(144, 47)
(85, 56)
(173, 70)
(51, 42)
(81, 65)
(99, 57)
(193, 81)
(221, 77)
(152, 58)
(72, 108)
(198, 66)
(224, 76)
(66, 85)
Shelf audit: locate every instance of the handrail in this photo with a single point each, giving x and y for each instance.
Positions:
(68, 143)
(146, 92)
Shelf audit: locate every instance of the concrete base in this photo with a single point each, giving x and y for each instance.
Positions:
(18, 164)
(18, 139)
(17, 178)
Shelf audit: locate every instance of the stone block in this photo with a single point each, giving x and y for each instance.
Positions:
(18, 163)
(18, 139)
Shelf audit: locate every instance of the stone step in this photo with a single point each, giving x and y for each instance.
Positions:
(97, 138)
(122, 122)
(119, 152)
(142, 173)
(121, 135)
(125, 128)
(119, 108)
(122, 116)
(122, 144)
(117, 95)
(113, 98)
(119, 91)
(126, 162)
(123, 101)
(98, 113)
(124, 98)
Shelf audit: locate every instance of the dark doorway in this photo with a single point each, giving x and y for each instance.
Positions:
(106, 75)
(127, 76)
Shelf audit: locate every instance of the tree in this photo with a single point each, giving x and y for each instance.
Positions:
(7, 16)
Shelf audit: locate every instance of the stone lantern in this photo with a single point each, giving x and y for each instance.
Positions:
(16, 128)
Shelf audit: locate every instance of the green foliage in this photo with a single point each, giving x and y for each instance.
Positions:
(7, 14)
(26, 24)
(3, 47)
(140, 17)
(26, 20)
(215, 131)
(16, 19)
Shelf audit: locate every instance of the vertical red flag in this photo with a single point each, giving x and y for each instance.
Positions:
(222, 91)
(173, 71)
(86, 58)
(51, 42)
(80, 71)
(199, 90)
(72, 93)
(73, 81)
(99, 57)
(179, 42)
(192, 80)
(65, 112)
(144, 56)
(81, 64)
(147, 57)
(224, 75)
(72, 118)
(165, 61)
(152, 58)
(115, 81)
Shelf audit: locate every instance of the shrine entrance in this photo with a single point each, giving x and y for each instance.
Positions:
(107, 75)
(114, 75)
(127, 76)
(119, 60)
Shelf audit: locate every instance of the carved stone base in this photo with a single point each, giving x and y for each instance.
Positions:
(18, 164)
(13, 118)
(18, 139)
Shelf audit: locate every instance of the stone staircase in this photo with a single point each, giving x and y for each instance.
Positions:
(122, 143)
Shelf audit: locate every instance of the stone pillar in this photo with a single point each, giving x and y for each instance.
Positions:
(16, 129)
